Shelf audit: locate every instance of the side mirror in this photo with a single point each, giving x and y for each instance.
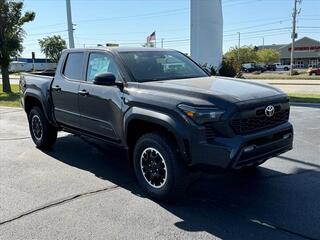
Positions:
(106, 79)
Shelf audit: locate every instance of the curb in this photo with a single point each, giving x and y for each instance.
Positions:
(303, 104)
(16, 108)
(299, 84)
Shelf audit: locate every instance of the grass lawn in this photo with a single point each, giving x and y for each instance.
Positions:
(279, 76)
(305, 97)
(10, 99)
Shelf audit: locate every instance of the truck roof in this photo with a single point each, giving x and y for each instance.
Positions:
(120, 49)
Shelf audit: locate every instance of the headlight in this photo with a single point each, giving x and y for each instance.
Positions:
(201, 115)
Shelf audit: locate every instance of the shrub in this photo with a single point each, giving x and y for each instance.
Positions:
(295, 72)
(211, 70)
(228, 69)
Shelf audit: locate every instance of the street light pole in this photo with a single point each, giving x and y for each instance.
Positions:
(70, 25)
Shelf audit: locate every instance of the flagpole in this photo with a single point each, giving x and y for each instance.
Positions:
(155, 39)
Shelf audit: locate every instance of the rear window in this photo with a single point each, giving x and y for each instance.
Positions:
(73, 66)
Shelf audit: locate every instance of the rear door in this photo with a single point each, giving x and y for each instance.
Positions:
(100, 106)
(65, 89)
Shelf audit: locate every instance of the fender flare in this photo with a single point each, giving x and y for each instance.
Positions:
(173, 125)
(32, 93)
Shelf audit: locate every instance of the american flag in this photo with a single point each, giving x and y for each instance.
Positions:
(152, 37)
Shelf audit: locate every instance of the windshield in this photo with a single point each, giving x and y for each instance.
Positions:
(160, 65)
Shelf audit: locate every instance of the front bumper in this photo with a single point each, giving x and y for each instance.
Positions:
(241, 150)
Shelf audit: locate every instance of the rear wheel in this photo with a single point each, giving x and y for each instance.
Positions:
(286, 69)
(158, 167)
(43, 134)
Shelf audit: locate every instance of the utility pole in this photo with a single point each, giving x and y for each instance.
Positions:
(162, 39)
(294, 34)
(262, 42)
(239, 45)
(70, 25)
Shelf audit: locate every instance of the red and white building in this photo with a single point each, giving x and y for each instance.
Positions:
(307, 52)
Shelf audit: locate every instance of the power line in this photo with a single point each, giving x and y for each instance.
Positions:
(150, 14)
(43, 33)
(154, 14)
(258, 31)
(307, 27)
(260, 25)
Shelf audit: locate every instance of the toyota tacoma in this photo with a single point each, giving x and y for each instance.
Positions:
(168, 113)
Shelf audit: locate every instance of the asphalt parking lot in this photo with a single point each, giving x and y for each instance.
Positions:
(83, 189)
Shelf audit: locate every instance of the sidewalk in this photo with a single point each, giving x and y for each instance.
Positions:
(293, 86)
(288, 81)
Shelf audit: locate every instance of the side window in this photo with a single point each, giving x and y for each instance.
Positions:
(73, 66)
(101, 63)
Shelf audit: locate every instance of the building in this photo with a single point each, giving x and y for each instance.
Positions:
(207, 32)
(307, 52)
(27, 64)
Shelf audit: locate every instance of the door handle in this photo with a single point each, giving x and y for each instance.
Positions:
(57, 88)
(83, 92)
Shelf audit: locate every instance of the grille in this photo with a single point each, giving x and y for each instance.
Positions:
(209, 132)
(249, 123)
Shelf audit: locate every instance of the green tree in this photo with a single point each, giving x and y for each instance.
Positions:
(238, 56)
(52, 47)
(268, 56)
(11, 35)
(227, 68)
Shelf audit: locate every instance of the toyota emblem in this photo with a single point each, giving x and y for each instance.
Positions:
(269, 111)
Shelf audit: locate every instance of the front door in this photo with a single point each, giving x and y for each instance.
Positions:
(100, 106)
(65, 89)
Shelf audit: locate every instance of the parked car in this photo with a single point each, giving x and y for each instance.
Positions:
(313, 71)
(271, 67)
(171, 120)
(252, 67)
(282, 67)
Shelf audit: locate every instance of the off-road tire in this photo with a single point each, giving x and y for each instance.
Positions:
(177, 174)
(47, 135)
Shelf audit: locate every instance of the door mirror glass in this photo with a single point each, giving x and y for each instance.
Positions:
(107, 79)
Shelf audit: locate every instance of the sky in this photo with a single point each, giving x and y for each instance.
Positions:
(129, 22)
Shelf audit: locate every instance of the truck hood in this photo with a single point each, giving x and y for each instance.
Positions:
(230, 89)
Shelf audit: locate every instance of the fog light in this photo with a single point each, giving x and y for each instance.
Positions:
(286, 136)
(249, 148)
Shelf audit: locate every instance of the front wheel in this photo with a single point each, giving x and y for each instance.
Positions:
(158, 167)
(43, 134)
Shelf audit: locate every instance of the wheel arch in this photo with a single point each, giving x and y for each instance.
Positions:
(32, 99)
(139, 121)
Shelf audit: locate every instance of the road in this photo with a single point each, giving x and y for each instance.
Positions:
(83, 189)
(13, 80)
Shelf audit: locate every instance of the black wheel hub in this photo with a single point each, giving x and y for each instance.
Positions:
(153, 167)
(36, 126)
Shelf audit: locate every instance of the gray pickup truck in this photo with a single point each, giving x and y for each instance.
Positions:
(163, 108)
